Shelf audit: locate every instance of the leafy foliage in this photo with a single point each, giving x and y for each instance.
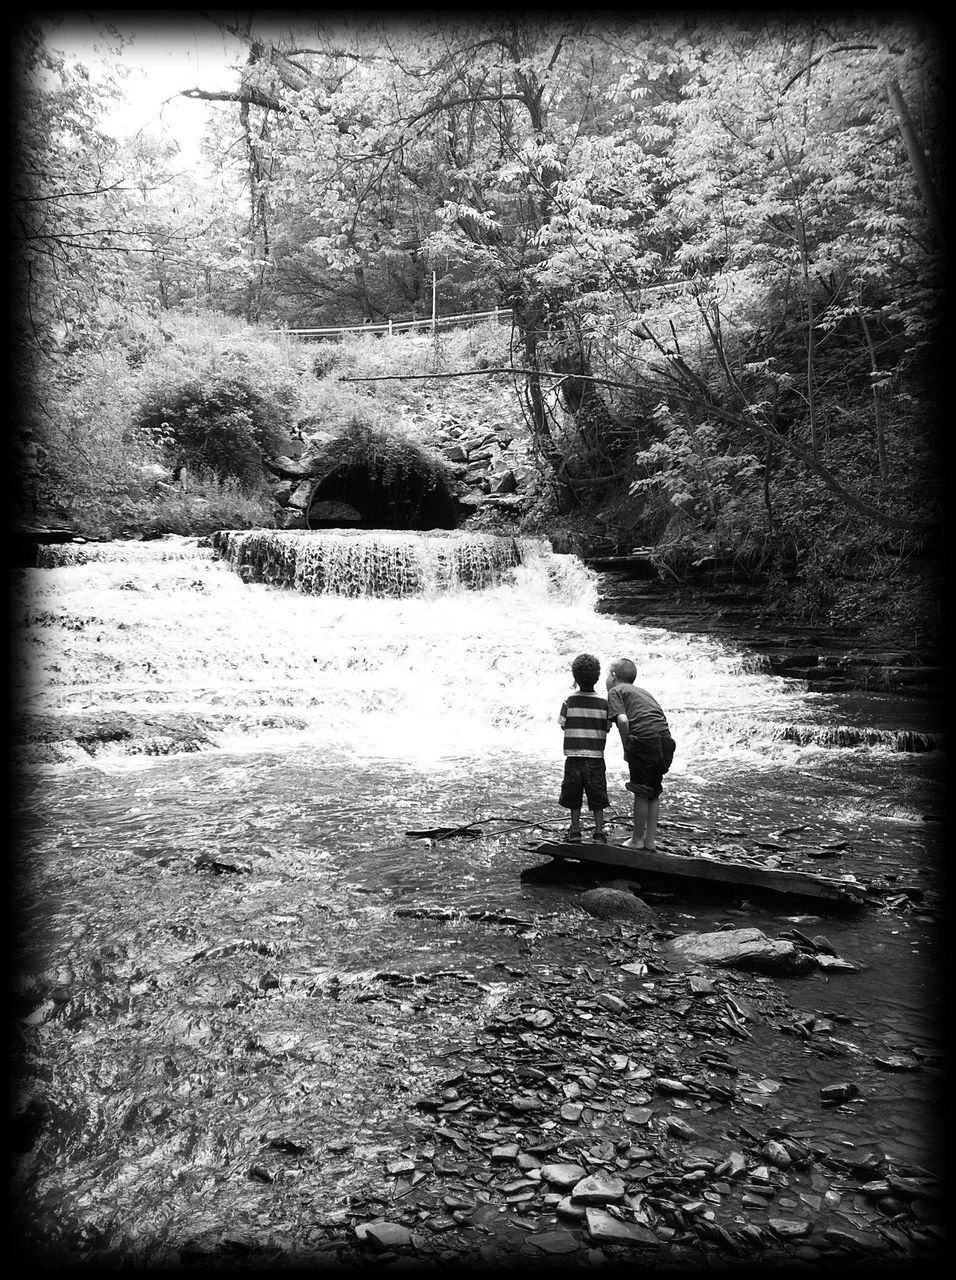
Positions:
(663, 207)
(219, 422)
(720, 240)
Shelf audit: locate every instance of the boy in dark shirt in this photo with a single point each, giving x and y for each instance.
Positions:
(648, 747)
(584, 719)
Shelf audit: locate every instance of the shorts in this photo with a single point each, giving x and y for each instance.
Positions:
(648, 759)
(584, 776)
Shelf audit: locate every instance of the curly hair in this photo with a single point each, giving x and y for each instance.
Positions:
(586, 670)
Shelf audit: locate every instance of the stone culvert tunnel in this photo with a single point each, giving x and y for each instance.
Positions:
(364, 480)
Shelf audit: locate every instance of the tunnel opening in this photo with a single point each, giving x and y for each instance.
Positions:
(393, 490)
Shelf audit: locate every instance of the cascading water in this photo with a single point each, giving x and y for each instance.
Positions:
(432, 645)
(352, 563)
(347, 688)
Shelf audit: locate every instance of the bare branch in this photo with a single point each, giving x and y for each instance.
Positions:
(252, 97)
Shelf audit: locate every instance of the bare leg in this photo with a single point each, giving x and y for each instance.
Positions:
(650, 830)
(639, 822)
(575, 821)
(598, 822)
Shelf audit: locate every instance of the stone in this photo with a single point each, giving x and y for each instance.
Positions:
(679, 1128)
(777, 1155)
(562, 1175)
(896, 1062)
(877, 1189)
(835, 964)
(603, 1226)
(293, 518)
(637, 1115)
(504, 500)
(748, 949)
(553, 1241)
(384, 1235)
(505, 1153)
(831, 1094)
(613, 904)
(441, 1223)
(340, 512)
(598, 1188)
(525, 1104)
(457, 1202)
(788, 1227)
(301, 494)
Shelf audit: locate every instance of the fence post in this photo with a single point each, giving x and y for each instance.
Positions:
(389, 326)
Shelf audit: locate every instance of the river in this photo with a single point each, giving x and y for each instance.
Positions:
(363, 686)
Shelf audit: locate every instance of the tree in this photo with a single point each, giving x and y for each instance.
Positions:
(808, 254)
(701, 226)
(441, 141)
(71, 201)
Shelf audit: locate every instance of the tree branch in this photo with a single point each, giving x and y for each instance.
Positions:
(252, 97)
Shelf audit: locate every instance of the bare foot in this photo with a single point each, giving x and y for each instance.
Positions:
(633, 844)
(651, 847)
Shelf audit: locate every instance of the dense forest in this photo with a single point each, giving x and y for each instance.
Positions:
(719, 242)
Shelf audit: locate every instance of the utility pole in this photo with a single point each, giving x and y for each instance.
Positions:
(434, 327)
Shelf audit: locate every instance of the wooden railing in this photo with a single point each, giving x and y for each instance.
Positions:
(398, 326)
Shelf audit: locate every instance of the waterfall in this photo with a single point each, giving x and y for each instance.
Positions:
(345, 562)
(446, 644)
(55, 555)
(843, 735)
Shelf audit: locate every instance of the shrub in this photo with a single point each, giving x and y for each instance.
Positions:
(218, 397)
(218, 423)
(205, 506)
(483, 346)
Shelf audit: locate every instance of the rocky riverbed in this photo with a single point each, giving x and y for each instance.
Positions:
(255, 1028)
(627, 1110)
(597, 1125)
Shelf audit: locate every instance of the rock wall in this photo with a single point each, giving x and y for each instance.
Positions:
(477, 434)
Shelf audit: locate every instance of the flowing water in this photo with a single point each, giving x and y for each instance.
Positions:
(360, 686)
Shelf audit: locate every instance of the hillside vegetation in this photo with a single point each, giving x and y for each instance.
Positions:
(719, 243)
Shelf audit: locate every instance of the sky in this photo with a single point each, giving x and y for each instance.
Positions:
(167, 51)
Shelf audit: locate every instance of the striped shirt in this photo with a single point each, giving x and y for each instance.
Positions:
(584, 720)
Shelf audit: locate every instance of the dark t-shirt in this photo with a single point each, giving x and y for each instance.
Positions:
(645, 718)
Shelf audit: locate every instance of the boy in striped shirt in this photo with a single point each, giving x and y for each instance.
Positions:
(584, 719)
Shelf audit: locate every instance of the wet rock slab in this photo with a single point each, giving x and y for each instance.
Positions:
(743, 949)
